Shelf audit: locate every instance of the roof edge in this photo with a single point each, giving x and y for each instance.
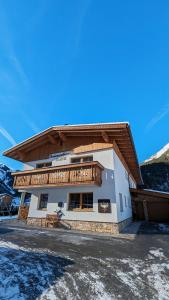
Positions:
(60, 127)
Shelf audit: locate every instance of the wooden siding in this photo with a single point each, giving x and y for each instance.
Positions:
(75, 174)
(92, 147)
(150, 205)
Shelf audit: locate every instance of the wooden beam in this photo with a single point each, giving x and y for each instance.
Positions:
(105, 136)
(62, 136)
(34, 146)
(21, 155)
(122, 159)
(52, 139)
(145, 210)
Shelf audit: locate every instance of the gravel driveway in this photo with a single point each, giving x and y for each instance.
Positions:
(51, 264)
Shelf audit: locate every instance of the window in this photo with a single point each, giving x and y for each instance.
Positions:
(87, 158)
(129, 202)
(43, 201)
(81, 202)
(87, 201)
(121, 202)
(125, 199)
(76, 160)
(44, 165)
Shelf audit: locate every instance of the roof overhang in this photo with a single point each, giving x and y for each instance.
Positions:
(118, 132)
(147, 192)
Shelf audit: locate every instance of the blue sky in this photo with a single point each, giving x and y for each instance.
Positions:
(75, 61)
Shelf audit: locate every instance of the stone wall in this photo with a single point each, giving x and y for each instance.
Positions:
(104, 227)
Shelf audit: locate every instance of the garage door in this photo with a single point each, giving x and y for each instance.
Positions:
(158, 211)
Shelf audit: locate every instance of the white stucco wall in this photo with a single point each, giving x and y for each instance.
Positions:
(105, 191)
(114, 181)
(122, 186)
(103, 156)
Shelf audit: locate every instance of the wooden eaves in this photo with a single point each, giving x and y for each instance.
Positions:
(117, 134)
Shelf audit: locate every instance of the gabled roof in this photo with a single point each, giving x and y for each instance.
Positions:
(119, 133)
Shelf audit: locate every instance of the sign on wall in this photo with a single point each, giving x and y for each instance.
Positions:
(104, 206)
(60, 155)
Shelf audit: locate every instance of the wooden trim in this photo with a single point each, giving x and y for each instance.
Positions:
(80, 128)
(114, 131)
(62, 136)
(56, 185)
(21, 154)
(92, 147)
(150, 193)
(52, 139)
(68, 175)
(120, 156)
(68, 166)
(105, 136)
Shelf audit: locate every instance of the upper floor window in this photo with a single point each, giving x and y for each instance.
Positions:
(43, 165)
(82, 159)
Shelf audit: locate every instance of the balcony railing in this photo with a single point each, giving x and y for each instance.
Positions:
(67, 175)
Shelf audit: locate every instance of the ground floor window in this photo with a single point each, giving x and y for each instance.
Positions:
(43, 201)
(81, 202)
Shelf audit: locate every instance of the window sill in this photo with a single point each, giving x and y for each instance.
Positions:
(42, 209)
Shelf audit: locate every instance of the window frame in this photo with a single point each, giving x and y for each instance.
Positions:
(125, 201)
(39, 204)
(81, 200)
(121, 202)
(45, 165)
(81, 159)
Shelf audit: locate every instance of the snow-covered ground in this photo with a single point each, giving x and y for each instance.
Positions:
(27, 273)
(39, 264)
(3, 218)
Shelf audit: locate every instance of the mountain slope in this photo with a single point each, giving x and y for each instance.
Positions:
(161, 156)
(155, 170)
(6, 180)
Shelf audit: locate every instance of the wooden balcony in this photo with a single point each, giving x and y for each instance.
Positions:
(89, 173)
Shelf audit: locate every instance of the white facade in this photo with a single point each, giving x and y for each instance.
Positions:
(115, 181)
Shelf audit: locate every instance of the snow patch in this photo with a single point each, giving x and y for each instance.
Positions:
(2, 218)
(158, 154)
(46, 279)
(164, 228)
(157, 253)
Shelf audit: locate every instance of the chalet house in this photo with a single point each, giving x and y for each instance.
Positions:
(84, 172)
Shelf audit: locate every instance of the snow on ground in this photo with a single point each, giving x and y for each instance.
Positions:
(3, 218)
(29, 274)
(163, 228)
